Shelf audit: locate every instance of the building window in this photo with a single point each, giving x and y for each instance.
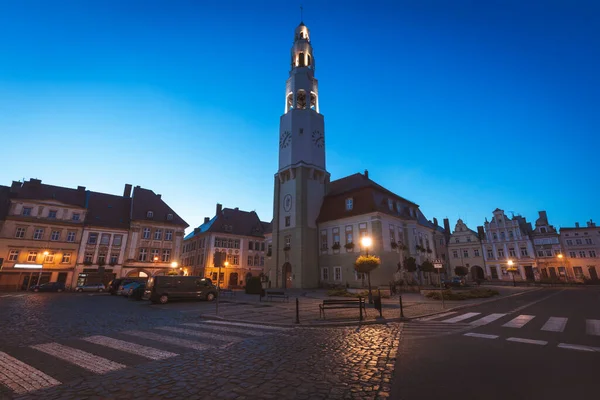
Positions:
(578, 241)
(70, 237)
(117, 240)
(250, 245)
(490, 254)
(166, 255)
(93, 238)
(569, 242)
(32, 256)
(582, 254)
(349, 204)
(256, 260)
(468, 238)
(55, 235)
(502, 236)
(465, 253)
(52, 214)
(26, 211)
(500, 253)
(105, 239)
(588, 241)
(324, 240)
(524, 252)
(101, 259)
(154, 254)
(13, 255)
(288, 241)
(88, 258)
(168, 235)
(325, 273)
(20, 233)
(359, 276)
(578, 271)
(143, 255)
(158, 234)
(66, 258)
(76, 216)
(250, 258)
(390, 204)
(336, 236)
(548, 253)
(511, 234)
(455, 253)
(38, 234)
(572, 254)
(337, 273)
(495, 236)
(592, 253)
(512, 252)
(476, 252)
(169, 217)
(457, 240)
(288, 220)
(540, 253)
(149, 214)
(49, 258)
(114, 258)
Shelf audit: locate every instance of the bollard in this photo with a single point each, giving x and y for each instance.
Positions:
(297, 311)
(360, 306)
(401, 310)
(380, 304)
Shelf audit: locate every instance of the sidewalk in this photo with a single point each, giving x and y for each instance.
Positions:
(248, 308)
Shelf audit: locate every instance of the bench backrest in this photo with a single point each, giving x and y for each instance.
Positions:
(349, 301)
(268, 292)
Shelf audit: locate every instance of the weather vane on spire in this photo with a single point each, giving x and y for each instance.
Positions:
(301, 13)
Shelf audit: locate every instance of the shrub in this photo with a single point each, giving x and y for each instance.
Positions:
(427, 266)
(344, 293)
(253, 285)
(463, 295)
(366, 264)
(461, 271)
(410, 264)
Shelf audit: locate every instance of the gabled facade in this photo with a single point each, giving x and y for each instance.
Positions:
(582, 250)
(507, 238)
(239, 235)
(464, 250)
(40, 233)
(550, 260)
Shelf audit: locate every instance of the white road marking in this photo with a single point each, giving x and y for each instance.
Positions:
(487, 319)
(578, 347)
(555, 324)
(168, 339)
(482, 335)
(134, 348)
(519, 321)
(224, 329)
(528, 341)
(277, 328)
(461, 317)
(80, 358)
(436, 316)
(207, 335)
(22, 378)
(592, 327)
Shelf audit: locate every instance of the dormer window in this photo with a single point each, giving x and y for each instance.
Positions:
(349, 204)
(398, 206)
(169, 217)
(543, 229)
(390, 204)
(149, 214)
(52, 214)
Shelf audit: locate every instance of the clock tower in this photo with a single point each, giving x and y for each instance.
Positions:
(301, 180)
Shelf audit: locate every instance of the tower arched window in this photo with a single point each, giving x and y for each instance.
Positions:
(308, 60)
(301, 99)
(301, 60)
(313, 101)
(290, 101)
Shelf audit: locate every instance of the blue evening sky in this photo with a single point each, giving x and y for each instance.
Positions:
(460, 106)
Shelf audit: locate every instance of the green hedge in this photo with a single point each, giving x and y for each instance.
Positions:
(463, 295)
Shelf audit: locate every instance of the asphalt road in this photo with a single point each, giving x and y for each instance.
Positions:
(540, 345)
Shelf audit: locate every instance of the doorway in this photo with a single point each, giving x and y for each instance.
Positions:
(593, 273)
(287, 275)
(233, 279)
(477, 273)
(529, 275)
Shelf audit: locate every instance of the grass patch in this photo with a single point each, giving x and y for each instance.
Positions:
(463, 295)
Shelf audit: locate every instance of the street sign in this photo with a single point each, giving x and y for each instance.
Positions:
(439, 264)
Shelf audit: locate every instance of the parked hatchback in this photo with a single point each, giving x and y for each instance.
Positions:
(161, 289)
(91, 287)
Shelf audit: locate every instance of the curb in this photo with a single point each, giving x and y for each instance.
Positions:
(474, 304)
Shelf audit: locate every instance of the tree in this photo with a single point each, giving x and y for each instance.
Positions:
(461, 271)
(428, 267)
(410, 264)
(366, 264)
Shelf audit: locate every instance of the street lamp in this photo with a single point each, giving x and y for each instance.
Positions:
(225, 264)
(438, 264)
(512, 269)
(560, 257)
(366, 242)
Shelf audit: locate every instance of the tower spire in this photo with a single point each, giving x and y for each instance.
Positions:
(301, 13)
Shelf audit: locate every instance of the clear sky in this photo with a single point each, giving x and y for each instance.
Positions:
(460, 106)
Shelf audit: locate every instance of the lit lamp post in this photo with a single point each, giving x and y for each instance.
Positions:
(366, 242)
(438, 264)
(225, 264)
(513, 270)
(560, 257)
(173, 268)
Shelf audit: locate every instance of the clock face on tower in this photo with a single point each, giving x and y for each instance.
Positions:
(287, 202)
(318, 139)
(284, 139)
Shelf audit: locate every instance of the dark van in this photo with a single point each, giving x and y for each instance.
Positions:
(161, 289)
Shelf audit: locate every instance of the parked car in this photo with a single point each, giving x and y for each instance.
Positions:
(455, 281)
(91, 287)
(49, 287)
(137, 291)
(114, 286)
(161, 289)
(124, 289)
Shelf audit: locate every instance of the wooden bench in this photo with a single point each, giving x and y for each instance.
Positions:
(338, 304)
(227, 292)
(272, 294)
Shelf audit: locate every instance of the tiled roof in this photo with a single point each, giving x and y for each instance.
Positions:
(145, 200)
(4, 201)
(234, 222)
(267, 227)
(367, 196)
(34, 189)
(108, 210)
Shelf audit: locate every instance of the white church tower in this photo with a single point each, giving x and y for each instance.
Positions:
(301, 180)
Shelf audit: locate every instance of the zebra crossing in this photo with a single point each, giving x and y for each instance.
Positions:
(20, 376)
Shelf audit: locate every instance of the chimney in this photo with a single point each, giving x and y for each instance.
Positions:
(219, 208)
(591, 224)
(447, 225)
(367, 173)
(435, 221)
(576, 224)
(81, 188)
(16, 185)
(159, 195)
(35, 181)
(543, 215)
(196, 230)
(480, 233)
(127, 190)
(206, 220)
(237, 209)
